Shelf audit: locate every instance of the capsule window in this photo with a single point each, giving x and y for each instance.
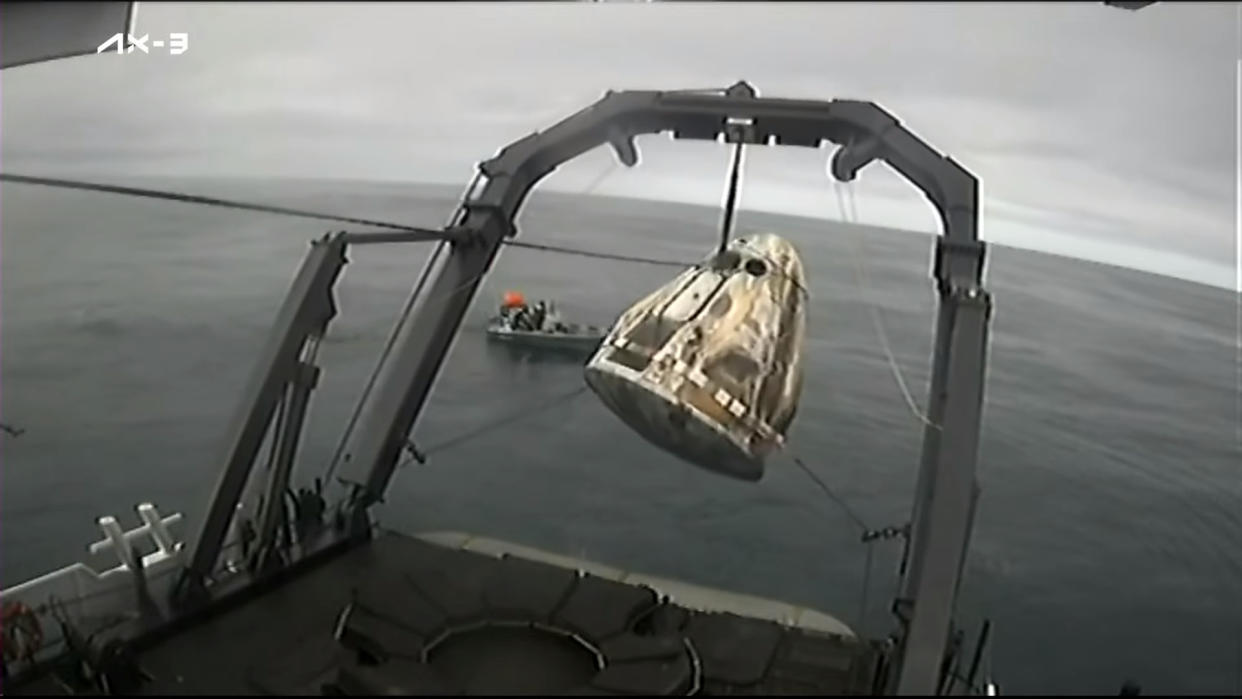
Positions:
(720, 306)
(733, 372)
(756, 267)
(727, 260)
(652, 333)
(738, 366)
(628, 358)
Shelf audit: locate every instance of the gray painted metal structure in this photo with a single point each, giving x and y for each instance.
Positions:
(945, 493)
(944, 505)
(36, 32)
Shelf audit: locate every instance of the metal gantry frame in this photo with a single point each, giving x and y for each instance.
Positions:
(301, 320)
(946, 489)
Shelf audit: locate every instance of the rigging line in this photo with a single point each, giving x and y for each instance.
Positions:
(391, 342)
(458, 213)
(848, 203)
(259, 494)
(510, 418)
(865, 593)
(339, 453)
(596, 181)
(869, 536)
(599, 179)
(205, 201)
(730, 203)
(849, 512)
(601, 255)
(408, 308)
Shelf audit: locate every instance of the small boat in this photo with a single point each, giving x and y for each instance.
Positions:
(540, 326)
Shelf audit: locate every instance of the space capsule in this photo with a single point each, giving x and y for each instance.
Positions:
(709, 366)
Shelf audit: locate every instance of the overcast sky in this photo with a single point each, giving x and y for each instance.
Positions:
(1097, 132)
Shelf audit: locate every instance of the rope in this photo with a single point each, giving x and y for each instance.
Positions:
(867, 536)
(599, 179)
(339, 453)
(600, 255)
(730, 206)
(515, 416)
(408, 308)
(864, 594)
(205, 201)
(849, 512)
(609, 168)
(848, 205)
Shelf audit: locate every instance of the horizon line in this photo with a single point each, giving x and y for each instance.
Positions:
(456, 190)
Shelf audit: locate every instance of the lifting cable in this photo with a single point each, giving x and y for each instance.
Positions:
(419, 455)
(731, 191)
(544, 247)
(338, 454)
(285, 211)
(204, 201)
(867, 536)
(847, 204)
(848, 213)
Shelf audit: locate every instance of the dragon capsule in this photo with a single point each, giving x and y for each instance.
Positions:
(709, 366)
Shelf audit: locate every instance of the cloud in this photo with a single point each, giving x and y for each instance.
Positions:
(1113, 126)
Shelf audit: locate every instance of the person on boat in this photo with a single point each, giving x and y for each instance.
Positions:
(523, 319)
(553, 323)
(514, 311)
(509, 315)
(539, 316)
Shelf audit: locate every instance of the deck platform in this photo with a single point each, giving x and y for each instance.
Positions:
(408, 615)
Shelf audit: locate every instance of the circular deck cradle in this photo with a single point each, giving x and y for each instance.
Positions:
(431, 620)
(406, 616)
(526, 628)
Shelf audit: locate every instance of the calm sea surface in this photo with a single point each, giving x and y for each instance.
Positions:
(1109, 540)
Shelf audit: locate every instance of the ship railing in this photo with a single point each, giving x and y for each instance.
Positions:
(84, 593)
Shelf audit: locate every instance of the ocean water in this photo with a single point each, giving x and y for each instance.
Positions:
(1108, 543)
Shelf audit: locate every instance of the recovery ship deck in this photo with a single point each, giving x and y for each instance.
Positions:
(424, 615)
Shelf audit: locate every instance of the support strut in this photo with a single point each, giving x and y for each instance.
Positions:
(303, 317)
